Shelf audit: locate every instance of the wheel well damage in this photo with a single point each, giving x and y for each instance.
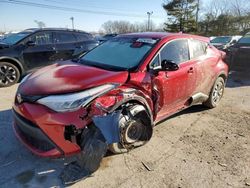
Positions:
(123, 125)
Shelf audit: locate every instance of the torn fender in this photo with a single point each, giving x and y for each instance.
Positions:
(110, 102)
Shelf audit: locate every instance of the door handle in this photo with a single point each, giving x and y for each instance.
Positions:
(191, 70)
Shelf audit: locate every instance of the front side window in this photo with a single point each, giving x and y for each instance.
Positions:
(119, 53)
(176, 51)
(43, 38)
(198, 48)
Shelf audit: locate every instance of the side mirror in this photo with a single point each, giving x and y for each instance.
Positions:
(169, 65)
(30, 43)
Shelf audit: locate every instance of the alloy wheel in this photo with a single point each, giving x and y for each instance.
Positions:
(8, 74)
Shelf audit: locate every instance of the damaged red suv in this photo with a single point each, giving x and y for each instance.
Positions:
(121, 88)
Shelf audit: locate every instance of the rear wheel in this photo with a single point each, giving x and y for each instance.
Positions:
(9, 74)
(216, 93)
(135, 129)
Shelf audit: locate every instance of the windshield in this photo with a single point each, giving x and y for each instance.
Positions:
(14, 38)
(222, 40)
(119, 53)
(245, 39)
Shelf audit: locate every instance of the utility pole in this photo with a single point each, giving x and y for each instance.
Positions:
(149, 14)
(72, 20)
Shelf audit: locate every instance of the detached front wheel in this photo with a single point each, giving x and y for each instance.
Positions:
(216, 93)
(135, 129)
(9, 74)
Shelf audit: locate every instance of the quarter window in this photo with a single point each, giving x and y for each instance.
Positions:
(155, 63)
(176, 51)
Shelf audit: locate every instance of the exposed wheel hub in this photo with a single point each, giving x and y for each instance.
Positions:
(133, 131)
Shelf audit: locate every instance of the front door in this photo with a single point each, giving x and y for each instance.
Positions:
(174, 88)
(41, 52)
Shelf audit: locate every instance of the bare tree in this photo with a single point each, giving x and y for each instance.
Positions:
(127, 27)
(40, 24)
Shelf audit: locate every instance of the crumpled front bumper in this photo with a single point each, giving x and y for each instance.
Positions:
(42, 130)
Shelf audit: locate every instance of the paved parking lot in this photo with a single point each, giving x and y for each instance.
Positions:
(195, 148)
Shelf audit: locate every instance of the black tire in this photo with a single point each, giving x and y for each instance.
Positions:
(137, 123)
(216, 93)
(9, 74)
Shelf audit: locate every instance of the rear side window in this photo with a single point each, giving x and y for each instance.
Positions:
(176, 51)
(42, 38)
(245, 39)
(83, 36)
(65, 37)
(198, 48)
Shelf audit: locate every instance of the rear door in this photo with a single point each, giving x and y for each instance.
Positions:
(241, 56)
(42, 52)
(204, 59)
(65, 45)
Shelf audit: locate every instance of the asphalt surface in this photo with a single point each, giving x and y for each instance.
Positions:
(195, 148)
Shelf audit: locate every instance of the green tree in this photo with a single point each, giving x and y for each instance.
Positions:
(181, 15)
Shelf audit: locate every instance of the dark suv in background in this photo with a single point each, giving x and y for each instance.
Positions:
(239, 54)
(30, 49)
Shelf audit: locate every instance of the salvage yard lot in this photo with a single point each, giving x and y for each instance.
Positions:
(195, 148)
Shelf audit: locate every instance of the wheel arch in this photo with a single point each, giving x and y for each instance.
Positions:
(222, 75)
(136, 99)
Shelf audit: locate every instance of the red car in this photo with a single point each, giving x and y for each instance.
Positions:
(122, 87)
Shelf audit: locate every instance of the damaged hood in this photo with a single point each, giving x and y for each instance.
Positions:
(67, 77)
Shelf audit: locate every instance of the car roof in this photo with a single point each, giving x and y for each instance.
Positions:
(51, 29)
(162, 35)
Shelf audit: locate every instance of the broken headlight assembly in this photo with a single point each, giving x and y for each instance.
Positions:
(72, 102)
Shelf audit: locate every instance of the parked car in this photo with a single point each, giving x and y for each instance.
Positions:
(239, 53)
(106, 37)
(122, 88)
(30, 49)
(224, 42)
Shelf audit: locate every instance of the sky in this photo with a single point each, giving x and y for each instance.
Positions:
(89, 15)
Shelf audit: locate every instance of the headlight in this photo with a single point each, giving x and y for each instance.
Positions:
(72, 102)
(25, 78)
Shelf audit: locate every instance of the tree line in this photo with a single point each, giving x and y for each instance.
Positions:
(209, 18)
